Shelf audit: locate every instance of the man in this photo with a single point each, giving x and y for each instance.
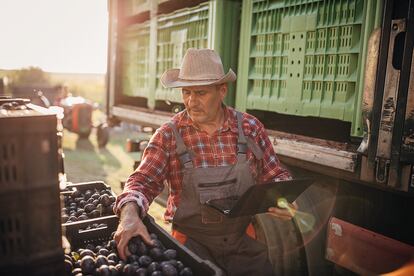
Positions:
(208, 151)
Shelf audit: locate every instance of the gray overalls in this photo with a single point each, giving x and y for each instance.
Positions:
(210, 234)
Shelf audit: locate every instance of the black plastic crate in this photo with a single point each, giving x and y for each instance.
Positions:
(83, 187)
(46, 265)
(67, 190)
(198, 265)
(80, 238)
(28, 151)
(30, 230)
(29, 226)
(91, 185)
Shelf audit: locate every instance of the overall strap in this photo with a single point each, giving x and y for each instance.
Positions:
(244, 142)
(182, 151)
(241, 141)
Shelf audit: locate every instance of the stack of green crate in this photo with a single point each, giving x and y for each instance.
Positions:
(305, 58)
(133, 7)
(135, 60)
(212, 24)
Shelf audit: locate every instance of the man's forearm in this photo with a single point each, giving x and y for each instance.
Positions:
(132, 196)
(130, 209)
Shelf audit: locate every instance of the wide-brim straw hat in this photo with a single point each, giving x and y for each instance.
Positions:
(199, 67)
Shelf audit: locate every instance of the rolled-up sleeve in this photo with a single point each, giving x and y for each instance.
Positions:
(147, 181)
(272, 169)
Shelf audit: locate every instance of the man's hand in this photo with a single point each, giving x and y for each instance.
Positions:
(130, 225)
(286, 213)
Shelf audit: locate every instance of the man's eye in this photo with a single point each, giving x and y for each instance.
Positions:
(186, 93)
(201, 93)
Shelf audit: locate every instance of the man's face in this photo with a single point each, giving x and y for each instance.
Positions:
(203, 103)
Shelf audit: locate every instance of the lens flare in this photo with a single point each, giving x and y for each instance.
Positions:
(304, 221)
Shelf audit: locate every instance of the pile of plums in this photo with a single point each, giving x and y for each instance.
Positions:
(144, 260)
(86, 205)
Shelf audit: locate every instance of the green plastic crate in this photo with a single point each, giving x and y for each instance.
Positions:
(133, 7)
(213, 24)
(305, 58)
(135, 60)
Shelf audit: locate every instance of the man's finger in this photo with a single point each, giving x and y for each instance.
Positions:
(121, 249)
(143, 232)
(279, 216)
(146, 237)
(117, 236)
(282, 212)
(127, 252)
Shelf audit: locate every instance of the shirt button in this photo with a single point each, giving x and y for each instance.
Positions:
(225, 239)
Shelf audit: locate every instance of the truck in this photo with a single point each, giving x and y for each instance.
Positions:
(333, 83)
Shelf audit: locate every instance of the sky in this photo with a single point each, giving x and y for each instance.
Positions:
(68, 36)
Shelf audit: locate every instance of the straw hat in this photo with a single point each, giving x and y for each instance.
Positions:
(199, 67)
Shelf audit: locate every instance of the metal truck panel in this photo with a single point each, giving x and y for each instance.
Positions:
(362, 251)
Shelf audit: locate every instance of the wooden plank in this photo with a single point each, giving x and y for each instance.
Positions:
(330, 157)
(141, 116)
(304, 151)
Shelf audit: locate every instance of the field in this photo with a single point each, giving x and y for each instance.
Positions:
(85, 161)
(90, 86)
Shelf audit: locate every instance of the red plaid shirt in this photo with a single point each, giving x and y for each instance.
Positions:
(160, 163)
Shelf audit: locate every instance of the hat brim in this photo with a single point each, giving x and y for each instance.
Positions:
(170, 79)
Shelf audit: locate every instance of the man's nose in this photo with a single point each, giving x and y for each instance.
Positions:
(193, 99)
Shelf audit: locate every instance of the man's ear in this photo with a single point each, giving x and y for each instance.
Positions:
(223, 90)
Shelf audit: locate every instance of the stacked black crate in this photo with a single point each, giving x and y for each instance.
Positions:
(30, 230)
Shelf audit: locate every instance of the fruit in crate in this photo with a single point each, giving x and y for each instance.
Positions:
(103, 259)
(89, 204)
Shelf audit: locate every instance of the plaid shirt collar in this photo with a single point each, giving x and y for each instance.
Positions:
(182, 119)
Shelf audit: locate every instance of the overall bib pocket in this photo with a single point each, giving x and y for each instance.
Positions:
(215, 190)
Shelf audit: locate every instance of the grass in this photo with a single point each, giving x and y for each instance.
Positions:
(89, 86)
(85, 161)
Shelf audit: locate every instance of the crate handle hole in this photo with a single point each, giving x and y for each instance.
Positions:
(6, 174)
(4, 152)
(14, 173)
(92, 230)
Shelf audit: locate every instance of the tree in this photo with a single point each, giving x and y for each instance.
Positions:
(32, 76)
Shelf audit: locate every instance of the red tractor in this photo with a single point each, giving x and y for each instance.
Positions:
(77, 111)
(77, 118)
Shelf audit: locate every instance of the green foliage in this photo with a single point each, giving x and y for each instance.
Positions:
(89, 86)
(32, 76)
